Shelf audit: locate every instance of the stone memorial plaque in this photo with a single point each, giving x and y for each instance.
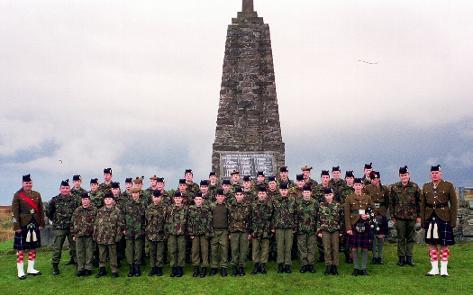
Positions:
(247, 163)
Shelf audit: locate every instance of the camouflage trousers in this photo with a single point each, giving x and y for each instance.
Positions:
(405, 237)
(239, 248)
(260, 249)
(109, 251)
(219, 249)
(284, 239)
(156, 253)
(85, 252)
(331, 241)
(59, 239)
(306, 247)
(176, 250)
(200, 251)
(134, 251)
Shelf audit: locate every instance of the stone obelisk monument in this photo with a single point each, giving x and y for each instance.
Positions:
(248, 134)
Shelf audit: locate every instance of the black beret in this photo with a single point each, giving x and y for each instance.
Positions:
(375, 174)
(226, 182)
(283, 186)
(369, 166)
(262, 189)
(435, 168)
(349, 174)
(283, 169)
(108, 194)
(299, 177)
(204, 182)
(182, 181)
(337, 168)
(219, 191)
(238, 190)
(199, 194)
(212, 174)
(260, 173)
(156, 193)
(160, 179)
(107, 170)
(65, 182)
(177, 195)
(271, 178)
(94, 180)
(85, 195)
(188, 171)
(27, 178)
(327, 190)
(115, 185)
(128, 180)
(76, 178)
(246, 178)
(325, 172)
(403, 170)
(307, 188)
(357, 180)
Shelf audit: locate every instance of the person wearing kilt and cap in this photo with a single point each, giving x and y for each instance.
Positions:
(60, 210)
(358, 227)
(28, 220)
(438, 211)
(82, 229)
(380, 196)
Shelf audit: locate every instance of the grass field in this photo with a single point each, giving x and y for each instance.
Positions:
(386, 279)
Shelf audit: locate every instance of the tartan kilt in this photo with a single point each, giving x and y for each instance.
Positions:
(360, 240)
(20, 243)
(445, 232)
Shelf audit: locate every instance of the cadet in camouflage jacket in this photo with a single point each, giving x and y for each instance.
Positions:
(155, 215)
(306, 221)
(239, 218)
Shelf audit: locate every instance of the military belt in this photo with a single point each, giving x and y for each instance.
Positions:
(361, 211)
(435, 206)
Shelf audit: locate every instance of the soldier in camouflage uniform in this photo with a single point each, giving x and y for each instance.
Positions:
(109, 227)
(405, 212)
(227, 187)
(76, 189)
(175, 229)
(155, 216)
(284, 227)
(366, 174)
(192, 187)
(125, 194)
(283, 177)
(214, 184)
(306, 220)
(346, 191)
(260, 231)
(153, 182)
(249, 190)
(306, 173)
(204, 190)
(167, 198)
(239, 213)
(60, 210)
(107, 180)
(120, 201)
(182, 188)
(199, 228)
(235, 179)
(318, 193)
(298, 188)
(337, 183)
(96, 196)
(272, 190)
(134, 216)
(82, 229)
(145, 196)
(380, 196)
(260, 180)
(219, 240)
(329, 224)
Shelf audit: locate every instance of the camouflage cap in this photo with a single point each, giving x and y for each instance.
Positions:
(135, 190)
(235, 172)
(306, 168)
(138, 180)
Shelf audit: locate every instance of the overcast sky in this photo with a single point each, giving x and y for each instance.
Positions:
(134, 85)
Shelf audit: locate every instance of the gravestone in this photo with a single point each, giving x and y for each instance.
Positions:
(248, 133)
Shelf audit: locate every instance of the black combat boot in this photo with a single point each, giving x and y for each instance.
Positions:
(287, 269)
(159, 271)
(356, 272)
(234, 271)
(263, 269)
(241, 271)
(137, 270)
(321, 257)
(152, 271)
(303, 269)
(203, 272)
(173, 272)
(256, 269)
(401, 261)
(80, 273)
(380, 260)
(374, 260)
(409, 261)
(88, 272)
(223, 272)
(56, 269)
(364, 272)
(334, 270)
(280, 268)
(114, 274)
(101, 272)
(180, 271)
(311, 268)
(131, 272)
(196, 272)
(328, 270)
(213, 271)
